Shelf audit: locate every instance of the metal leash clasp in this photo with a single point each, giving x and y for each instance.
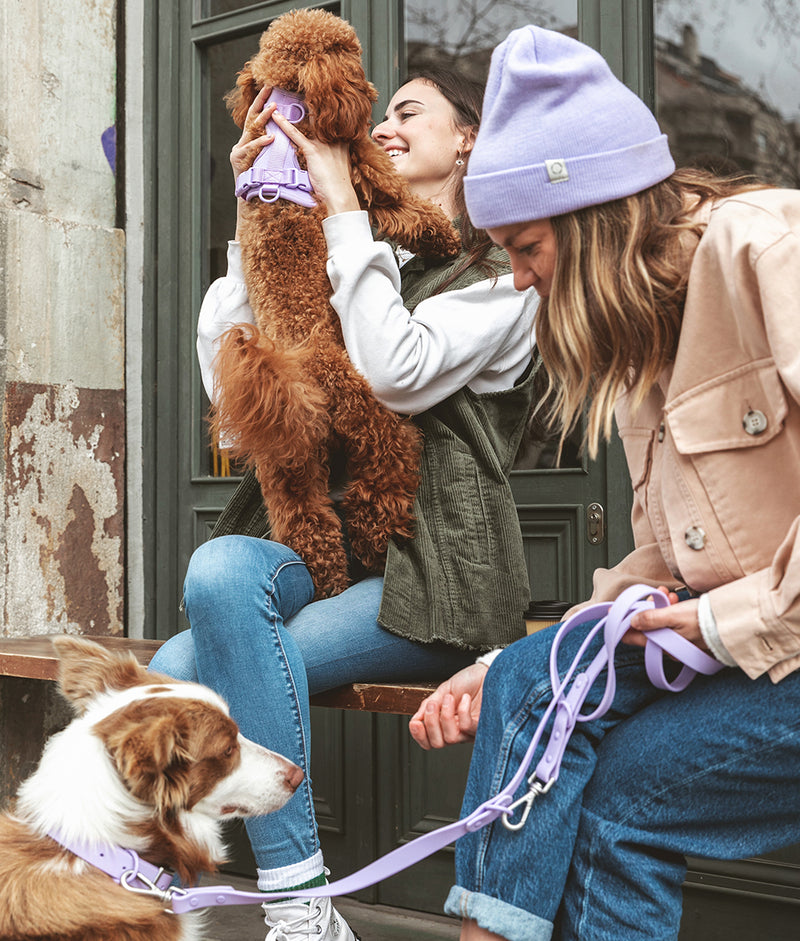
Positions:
(535, 789)
(148, 886)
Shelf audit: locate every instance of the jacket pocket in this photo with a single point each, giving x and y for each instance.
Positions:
(745, 408)
(732, 433)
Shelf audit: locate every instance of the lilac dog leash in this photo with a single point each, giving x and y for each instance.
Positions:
(614, 621)
(276, 174)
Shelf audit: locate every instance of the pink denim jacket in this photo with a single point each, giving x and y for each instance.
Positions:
(714, 452)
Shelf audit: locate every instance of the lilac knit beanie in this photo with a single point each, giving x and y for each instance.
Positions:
(558, 132)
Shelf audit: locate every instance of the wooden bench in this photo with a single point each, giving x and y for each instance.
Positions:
(34, 658)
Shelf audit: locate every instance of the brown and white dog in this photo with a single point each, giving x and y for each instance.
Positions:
(149, 764)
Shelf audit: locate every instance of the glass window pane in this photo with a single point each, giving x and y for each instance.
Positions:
(225, 59)
(462, 33)
(727, 84)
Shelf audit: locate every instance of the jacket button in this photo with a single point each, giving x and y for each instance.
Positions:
(694, 537)
(755, 422)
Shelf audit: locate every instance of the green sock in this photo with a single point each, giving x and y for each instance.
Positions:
(311, 884)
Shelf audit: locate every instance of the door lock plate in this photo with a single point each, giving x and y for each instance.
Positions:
(595, 523)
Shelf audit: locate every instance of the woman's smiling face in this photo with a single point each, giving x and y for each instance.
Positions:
(420, 134)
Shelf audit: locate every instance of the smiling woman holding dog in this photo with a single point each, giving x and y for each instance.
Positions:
(669, 301)
(450, 343)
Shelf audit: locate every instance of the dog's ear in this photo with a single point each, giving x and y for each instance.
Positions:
(86, 669)
(148, 741)
(338, 96)
(239, 99)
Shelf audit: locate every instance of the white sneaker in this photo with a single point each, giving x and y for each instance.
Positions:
(294, 920)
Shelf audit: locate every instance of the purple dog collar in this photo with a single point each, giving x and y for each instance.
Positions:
(125, 866)
(276, 174)
(614, 621)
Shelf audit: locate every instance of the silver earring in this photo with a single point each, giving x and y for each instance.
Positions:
(459, 160)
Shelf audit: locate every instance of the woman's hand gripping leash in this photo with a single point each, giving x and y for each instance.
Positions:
(451, 713)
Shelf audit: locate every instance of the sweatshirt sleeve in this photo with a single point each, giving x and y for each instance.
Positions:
(480, 336)
(225, 303)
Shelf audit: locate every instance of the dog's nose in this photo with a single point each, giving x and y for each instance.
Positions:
(294, 776)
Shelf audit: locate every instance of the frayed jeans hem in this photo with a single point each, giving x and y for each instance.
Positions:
(497, 916)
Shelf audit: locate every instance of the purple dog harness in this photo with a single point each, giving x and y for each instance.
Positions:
(569, 694)
(276, 174)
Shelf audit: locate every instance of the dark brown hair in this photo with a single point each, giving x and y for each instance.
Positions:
(465, 96)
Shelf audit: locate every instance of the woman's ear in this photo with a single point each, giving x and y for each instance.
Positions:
(470, 134)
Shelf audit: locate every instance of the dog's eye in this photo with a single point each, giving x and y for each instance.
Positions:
(229, 751)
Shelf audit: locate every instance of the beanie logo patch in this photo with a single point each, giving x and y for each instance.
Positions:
(557, 170)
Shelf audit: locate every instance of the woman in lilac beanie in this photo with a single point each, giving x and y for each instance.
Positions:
(669, 304)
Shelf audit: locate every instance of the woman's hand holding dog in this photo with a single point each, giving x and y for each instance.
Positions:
(328, 169)
(254, 137)
(328, 164)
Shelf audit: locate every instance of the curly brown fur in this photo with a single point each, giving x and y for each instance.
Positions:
(288, 395)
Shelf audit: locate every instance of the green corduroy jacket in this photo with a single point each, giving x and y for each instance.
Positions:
(463, 579)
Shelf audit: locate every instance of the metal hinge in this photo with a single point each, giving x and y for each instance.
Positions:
(595, 523)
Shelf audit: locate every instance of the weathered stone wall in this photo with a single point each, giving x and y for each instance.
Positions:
(62, 293)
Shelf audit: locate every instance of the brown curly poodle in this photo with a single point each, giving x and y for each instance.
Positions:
(287, 394)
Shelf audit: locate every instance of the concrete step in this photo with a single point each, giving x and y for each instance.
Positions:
(372, 922)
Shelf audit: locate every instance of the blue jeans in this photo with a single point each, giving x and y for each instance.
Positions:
(712, 772)
(258, 640)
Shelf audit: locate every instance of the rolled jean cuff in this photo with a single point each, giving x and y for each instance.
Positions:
(497, 916)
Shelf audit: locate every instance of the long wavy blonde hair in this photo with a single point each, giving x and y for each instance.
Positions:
(612, 320)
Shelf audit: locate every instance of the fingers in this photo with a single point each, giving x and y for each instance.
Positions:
(290, 130)
(467, 717)
(254, 135)
(654, 618)
(255, 113)
(681, 617)
(442, 722)
(634, 638)
(243, 155)
(417, 727)
(673, 597)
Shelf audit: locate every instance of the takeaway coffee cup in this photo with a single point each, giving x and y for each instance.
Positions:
(542, 614)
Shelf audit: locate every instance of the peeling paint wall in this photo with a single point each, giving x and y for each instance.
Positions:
(62, 321)
(63, 511)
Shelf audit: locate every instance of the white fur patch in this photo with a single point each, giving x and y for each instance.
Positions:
(107, 703)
